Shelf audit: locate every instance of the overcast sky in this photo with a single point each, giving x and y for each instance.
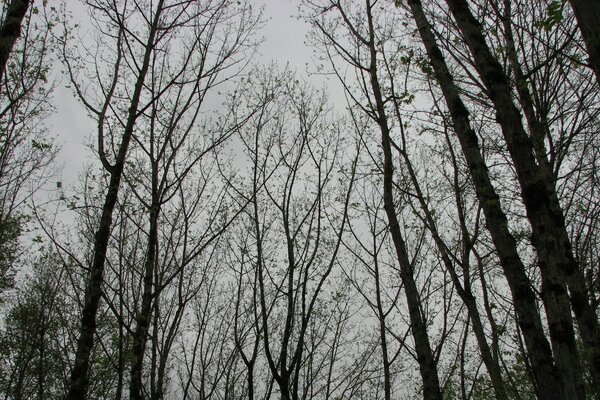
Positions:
(284, 42)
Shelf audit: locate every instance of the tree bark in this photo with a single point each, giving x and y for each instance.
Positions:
(549, 235)
(11, 29)
(587, 13)
(144, 316)
(528, 318)
(585, 314)
(79, 375)
(425, 358)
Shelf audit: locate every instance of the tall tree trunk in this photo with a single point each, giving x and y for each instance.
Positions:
(425, 358)
(587, 13)
(464, 292)
(79, 375)
(387, 379)
(143, 319)
(250, 380)
(549, 235)
(11, 29)
(585, 314)
(528, 318)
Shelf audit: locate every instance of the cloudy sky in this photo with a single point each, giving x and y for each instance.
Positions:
(284, 42)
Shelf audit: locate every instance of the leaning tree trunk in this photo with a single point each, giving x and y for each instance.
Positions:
(549, 236)
(79, 375)
(11, 29)
(425, 357)
(465, 292)
(545, 374)
(585, 314)
(587, 13)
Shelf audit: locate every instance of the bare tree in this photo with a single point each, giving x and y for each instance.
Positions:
(524, 298)
(364, 53)
(235, 238)
(294, 153)
(26, 151)
(135, 41)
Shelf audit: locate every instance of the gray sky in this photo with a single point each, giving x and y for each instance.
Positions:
(284, 42)
(284, 35)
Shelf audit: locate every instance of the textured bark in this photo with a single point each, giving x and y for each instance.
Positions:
(585, 314)
(79, 374)
(549, 235)
(587, 13)
(528, 318)
(11, 29)
(143, 319)
(425, 358)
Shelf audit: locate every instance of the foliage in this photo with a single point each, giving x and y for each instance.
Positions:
(11, 228)
(31, 346)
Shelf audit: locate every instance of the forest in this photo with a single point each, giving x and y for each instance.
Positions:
(239, 231)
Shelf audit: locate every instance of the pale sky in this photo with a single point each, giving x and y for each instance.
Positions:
(284, 42)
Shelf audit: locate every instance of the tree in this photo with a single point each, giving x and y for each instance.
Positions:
(237, 235)
(26, 151)
(33, 361)
(294, 148)
(587, 13)
(365, 51)
(11, 29)
(550, 238)
(171, 121)
(524, 298)
(122, 100)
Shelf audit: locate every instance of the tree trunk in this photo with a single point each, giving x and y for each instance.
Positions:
(425, 358)
(11, 29)
(528, 318)
(250, 380)
(79, 375)
(465, 293)
(144, 316)
(587, 13)
(586, 316)
(284, 385)
(387, 379)
(549, 235)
